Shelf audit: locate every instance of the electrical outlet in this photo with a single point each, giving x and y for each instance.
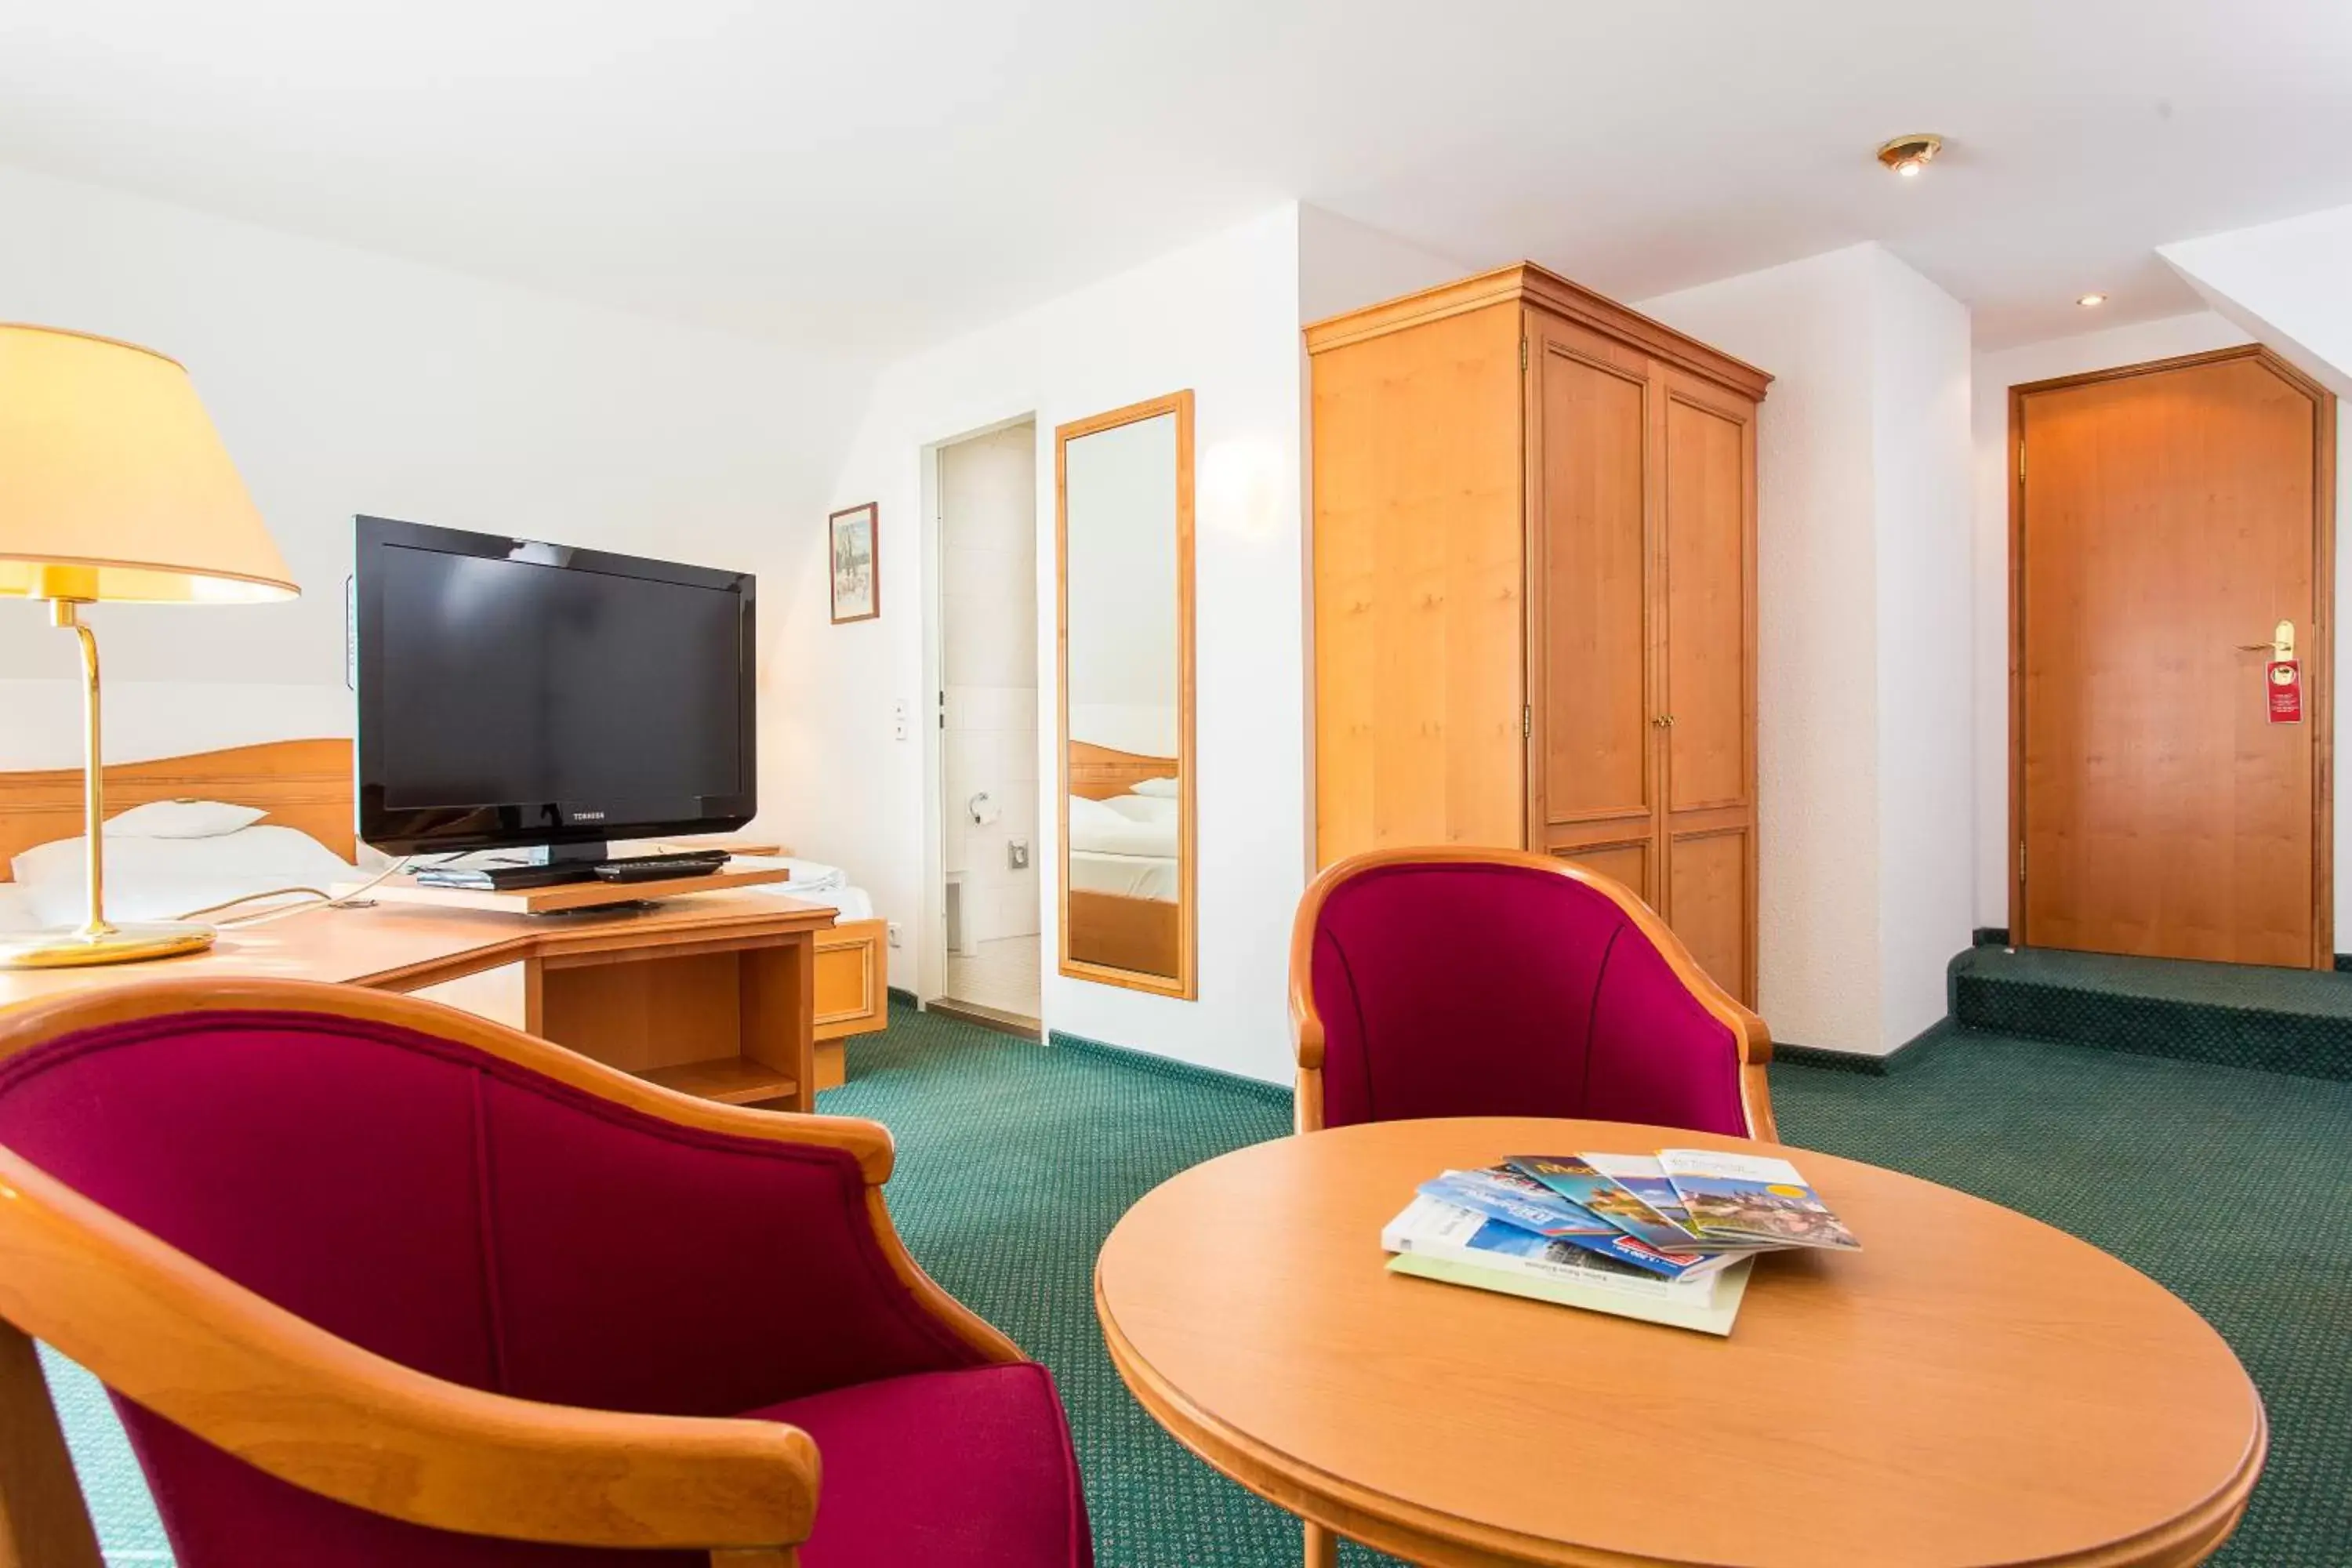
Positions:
(1016, 854)
(897, 936)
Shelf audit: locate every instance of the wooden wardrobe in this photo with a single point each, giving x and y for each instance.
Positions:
(1535, 593)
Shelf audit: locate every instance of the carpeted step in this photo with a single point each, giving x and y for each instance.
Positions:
(2278, 1020)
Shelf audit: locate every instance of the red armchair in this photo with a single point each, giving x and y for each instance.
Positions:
(374, 1282)
(1495, 982)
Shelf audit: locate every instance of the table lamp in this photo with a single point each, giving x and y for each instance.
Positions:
(114, 486)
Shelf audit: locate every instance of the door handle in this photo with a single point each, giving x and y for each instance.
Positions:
(2280, 646)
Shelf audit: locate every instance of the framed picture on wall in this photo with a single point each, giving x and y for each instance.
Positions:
(857, 570)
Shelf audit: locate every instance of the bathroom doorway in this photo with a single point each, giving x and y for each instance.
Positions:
(988, 725)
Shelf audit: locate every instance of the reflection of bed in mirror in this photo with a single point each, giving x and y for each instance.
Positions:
(1124, 865)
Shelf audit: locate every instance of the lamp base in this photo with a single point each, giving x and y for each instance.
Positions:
(133, 942)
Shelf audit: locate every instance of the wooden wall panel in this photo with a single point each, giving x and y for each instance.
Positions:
(1419, 602)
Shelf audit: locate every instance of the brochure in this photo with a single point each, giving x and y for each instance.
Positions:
(1577, 1179)
(1437, 1240)
(1752, 1197)
(1552, 1217)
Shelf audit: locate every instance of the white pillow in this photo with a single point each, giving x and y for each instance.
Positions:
(1085, 812)
(1164, 788)
(16, 910)
(162, 878)
(182, 819)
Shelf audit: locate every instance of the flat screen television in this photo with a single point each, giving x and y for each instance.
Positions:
(518, 693)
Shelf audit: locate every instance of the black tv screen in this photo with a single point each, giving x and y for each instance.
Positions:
(514, 692)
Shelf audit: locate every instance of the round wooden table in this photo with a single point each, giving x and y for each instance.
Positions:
(1973, 1388)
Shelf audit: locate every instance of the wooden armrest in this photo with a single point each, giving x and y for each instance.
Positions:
(286, 1396)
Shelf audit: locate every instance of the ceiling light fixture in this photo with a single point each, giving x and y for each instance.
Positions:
(1908, 155)
(2087, 301)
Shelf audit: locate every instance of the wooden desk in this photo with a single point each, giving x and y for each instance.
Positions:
(1974, 1388)
(714, 993)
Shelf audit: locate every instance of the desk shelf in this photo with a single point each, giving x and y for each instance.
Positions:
(730, 1080)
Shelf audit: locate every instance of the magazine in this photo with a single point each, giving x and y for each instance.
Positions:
(1436, 1240)
(1752, 1197)
(1646, 1180)
(1528, 1204)
(1552, 1217)
(1438, 1227)
(1577, 1179)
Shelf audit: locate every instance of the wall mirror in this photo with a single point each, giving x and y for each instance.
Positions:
(1123, 483)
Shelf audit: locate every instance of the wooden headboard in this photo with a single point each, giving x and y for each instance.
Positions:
(1097, 772)
(304, 785)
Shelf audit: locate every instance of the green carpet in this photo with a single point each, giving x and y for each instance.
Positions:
(2227, 1185)
(2230, 1014)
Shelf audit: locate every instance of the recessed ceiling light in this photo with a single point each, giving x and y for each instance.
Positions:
(1909, 155)
(2089, 299)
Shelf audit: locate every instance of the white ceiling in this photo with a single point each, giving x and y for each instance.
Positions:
(869, 175)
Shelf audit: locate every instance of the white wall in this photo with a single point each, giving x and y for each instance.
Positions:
(1862, 451)
(1921, 474)
(1995, 375)
(1220, 316)
(343, 382)
(1344, 265)
(2284, 283)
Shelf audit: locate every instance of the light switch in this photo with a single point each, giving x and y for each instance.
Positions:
(898, 719)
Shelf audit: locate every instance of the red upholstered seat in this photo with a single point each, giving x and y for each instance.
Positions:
(456, 1212)
(1457, 982)
(971, 1467)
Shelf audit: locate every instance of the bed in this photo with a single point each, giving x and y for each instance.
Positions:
(1125, 855)
(297, 829)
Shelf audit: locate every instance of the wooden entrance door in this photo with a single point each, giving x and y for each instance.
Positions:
(2165, 518)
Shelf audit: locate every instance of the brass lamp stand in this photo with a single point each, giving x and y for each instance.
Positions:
(114, 488)
(97, 939)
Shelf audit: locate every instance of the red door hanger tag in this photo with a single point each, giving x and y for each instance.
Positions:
(2285, 691)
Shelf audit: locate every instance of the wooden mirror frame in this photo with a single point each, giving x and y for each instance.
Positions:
(1184, 983)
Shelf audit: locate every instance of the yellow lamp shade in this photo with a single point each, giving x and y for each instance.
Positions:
(114, 485)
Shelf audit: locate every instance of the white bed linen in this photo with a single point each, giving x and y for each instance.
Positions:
(813, 882)
(1124, 845)
(1100, 827)
(163, 879)
(1128, 876)
(15, 909)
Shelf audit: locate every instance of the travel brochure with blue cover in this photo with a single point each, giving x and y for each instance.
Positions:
(1503, 1194)
(1667, 1236)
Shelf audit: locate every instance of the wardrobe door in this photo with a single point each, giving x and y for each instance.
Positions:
(1706, 440)
(1593, 781)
